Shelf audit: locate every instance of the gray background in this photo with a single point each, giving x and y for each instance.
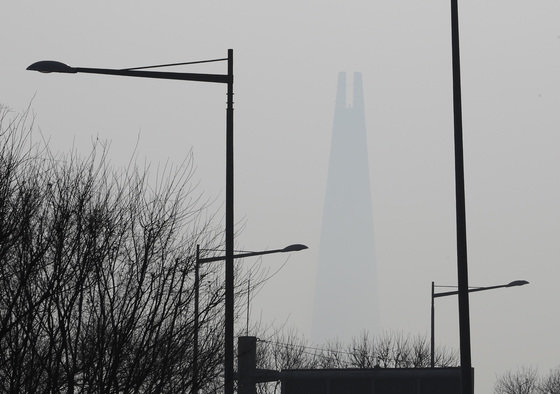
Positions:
(287, 56)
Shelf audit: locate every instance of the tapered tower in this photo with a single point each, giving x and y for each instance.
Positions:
(346, 287)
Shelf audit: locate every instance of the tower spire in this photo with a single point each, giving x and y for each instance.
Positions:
(341, 92)
(346, 287)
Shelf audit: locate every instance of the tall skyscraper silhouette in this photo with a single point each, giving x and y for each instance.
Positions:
(346, 288)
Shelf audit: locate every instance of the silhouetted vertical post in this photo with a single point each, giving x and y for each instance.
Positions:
(432, 331)
(229, 304)
(248, 301)
(196, 301)
(247, 364)
(462, 266)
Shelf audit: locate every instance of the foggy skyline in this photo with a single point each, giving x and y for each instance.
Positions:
(346, 272)
(286, 57)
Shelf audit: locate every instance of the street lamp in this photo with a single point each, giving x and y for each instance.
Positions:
(455, 292)
(58, 67)
(198, 262)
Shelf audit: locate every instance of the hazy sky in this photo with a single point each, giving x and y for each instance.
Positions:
(287, 57)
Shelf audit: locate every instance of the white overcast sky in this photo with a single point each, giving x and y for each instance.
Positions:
(287, 56)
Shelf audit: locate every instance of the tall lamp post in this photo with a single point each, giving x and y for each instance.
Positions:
(57, 67)
(455, 292)
(462, 265)
(198, 262)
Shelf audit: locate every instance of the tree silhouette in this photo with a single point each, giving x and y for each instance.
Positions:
(550, 384)
(288, 350)
(97, 272)
(526, 381)
(522, 381)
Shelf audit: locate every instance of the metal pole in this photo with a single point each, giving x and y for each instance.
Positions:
(196, 300)
(248, 301)
(432, 337)
(229, 291)
(462, 266)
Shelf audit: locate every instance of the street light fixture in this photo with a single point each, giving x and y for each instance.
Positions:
(50, 66)
(455, 292)
(199, 261)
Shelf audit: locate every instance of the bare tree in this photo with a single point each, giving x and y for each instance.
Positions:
(526, 380)
(96, 273)
(286, 350)
(523, 381)
(550, 384)
(280, 350)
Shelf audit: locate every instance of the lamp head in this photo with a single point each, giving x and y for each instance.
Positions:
(517, 283)
(294, 248)
(50, 66)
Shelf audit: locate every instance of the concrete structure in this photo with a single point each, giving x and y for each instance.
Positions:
(347, 270)
(372, 381)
